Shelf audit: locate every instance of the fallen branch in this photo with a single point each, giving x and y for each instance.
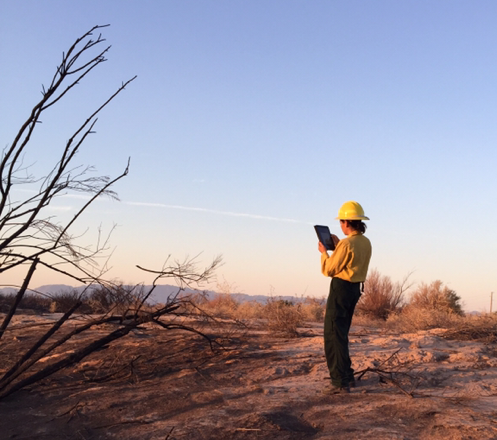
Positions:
(127, 323)
(70, 411)
(170, 432)
(115, 373)
(386, 376)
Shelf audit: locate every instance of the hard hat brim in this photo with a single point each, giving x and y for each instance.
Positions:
(353, 218)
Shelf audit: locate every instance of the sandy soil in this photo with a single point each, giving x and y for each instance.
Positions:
(157, 384)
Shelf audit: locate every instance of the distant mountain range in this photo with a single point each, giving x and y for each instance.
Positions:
(160, 294)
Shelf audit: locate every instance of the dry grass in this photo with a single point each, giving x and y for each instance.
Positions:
(413, 318)
(475, 328)
(283, 317)
(277, 315)
(367, 321)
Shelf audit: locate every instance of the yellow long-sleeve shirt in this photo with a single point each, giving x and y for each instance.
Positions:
(350, 259)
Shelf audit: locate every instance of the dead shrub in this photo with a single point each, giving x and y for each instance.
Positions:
(313, 309)
(381, 296)
(249, 310)
(5, 303)
(223, 305)
(431, 306)
(283, 317)
(64, 301)
(115, 298)
(436, 296)
(35, 302)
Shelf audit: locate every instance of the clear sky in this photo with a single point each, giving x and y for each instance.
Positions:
(250, 121)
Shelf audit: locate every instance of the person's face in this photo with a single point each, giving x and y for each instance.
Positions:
(344, 226)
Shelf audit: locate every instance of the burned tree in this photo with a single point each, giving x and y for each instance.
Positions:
(30, 239)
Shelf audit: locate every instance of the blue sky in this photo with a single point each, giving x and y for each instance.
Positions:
(250, 121)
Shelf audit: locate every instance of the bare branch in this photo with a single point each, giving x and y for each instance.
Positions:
(186, 272)
(18, 298)
(20, 221)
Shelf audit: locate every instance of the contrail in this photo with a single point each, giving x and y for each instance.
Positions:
(190, 208)
(214, 211)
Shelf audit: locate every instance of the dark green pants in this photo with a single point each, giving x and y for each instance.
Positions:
(340, 307)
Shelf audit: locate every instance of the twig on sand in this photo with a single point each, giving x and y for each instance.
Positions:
(124, 422)
(391, 356)
(71, 411)
(386, 376)
(169, 433)
(248, 429)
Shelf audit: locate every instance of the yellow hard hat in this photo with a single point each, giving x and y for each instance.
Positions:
(351, 211)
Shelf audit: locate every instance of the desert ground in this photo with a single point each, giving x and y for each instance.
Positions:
(159, 384)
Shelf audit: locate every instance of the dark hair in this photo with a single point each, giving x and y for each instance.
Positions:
(357, 225)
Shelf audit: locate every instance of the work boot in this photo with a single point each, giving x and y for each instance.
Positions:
(333, 389)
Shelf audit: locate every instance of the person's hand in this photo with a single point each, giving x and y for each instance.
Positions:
(321, 247)
(335, 239)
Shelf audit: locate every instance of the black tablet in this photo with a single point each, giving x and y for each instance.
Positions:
(324, 236)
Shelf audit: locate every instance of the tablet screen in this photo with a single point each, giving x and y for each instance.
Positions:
(324, 236)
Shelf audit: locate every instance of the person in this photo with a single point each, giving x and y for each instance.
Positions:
(347, 266)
